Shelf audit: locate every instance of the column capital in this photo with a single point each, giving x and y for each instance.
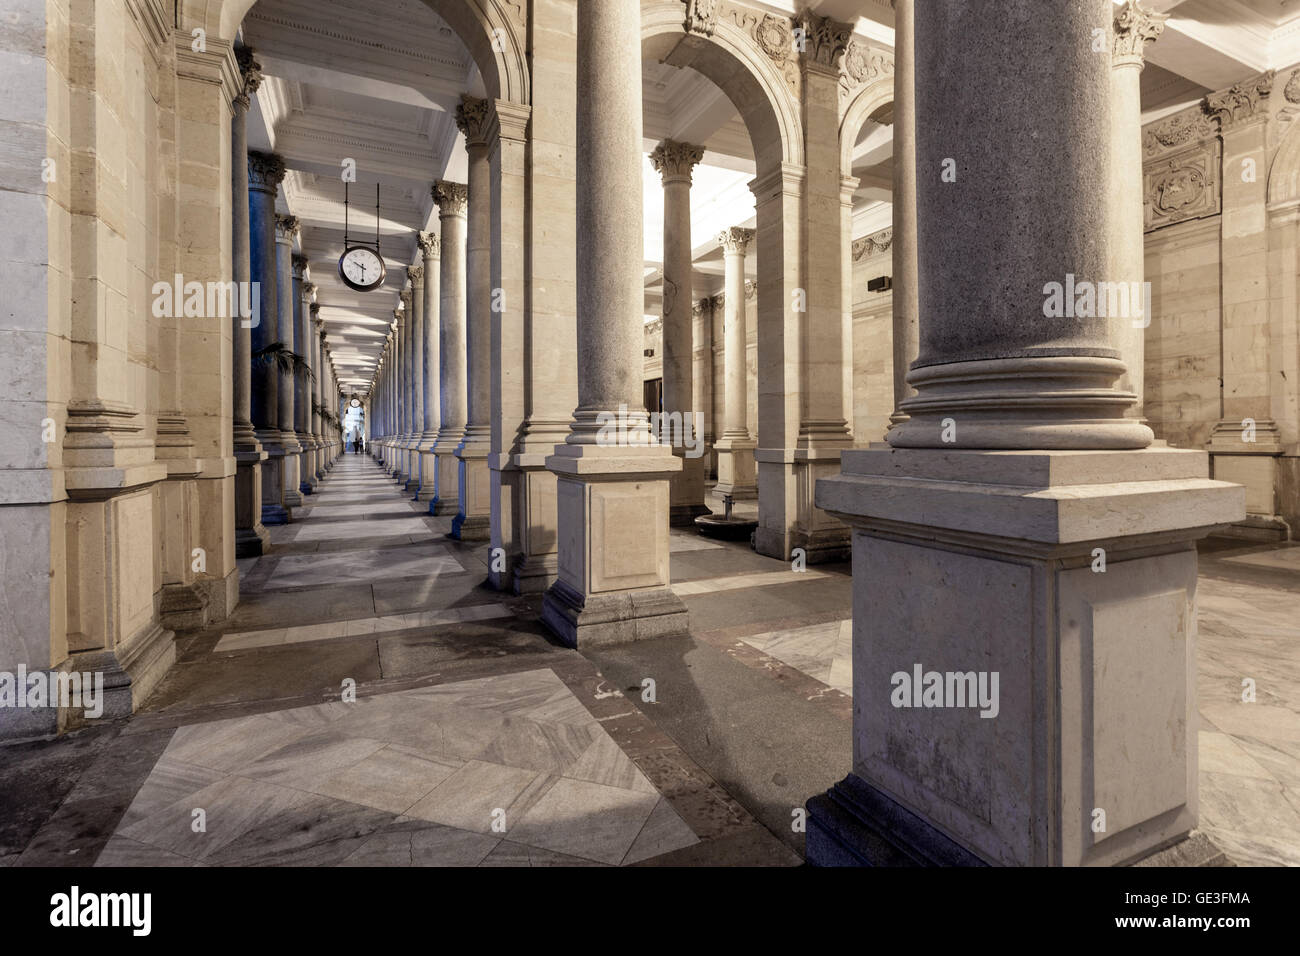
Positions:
(1241, 103)
(820, 41)
(265, 171)
(315, 312)
(430, 244)
(735, 240)
(286, 227)
(299, 265)
(473, 117)
(452, 198)
(250, 75)
(415, 274)
(674, 161)
(1134, 27)
(308, 289)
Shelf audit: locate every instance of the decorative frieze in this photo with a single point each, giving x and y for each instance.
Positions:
(863, 64)
(1174, 132)
(871, 245)
(1242, 102)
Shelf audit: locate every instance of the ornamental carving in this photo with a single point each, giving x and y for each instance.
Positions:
(1181, 187)
(299, 266)
(775, 37)
(1188, 126)
(875, 243)
(701, 16)
(1134, 28)
(1292, 89)
(265, 171)
(430, 244)
(674, 160)
(472, 117)
(735, 240)
(1240, 102)
(450, 197)
(820, 39)
(863, 64)
(250, 74)
(415, 273)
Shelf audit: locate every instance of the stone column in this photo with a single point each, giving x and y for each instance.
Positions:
(286, 230)
(265, 171)
(1246, 443)
(251, 537)
(906, 297)
(612, 473)
(430, 252)
(402, 397)
(1134, 28)
(415, 379)
(737, 475)
(1024, 565)
(302, 376)
(452, 358)
(473, 515)
(674, 162)
(317, 436)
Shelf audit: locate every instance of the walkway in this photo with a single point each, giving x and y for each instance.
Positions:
(371, 702)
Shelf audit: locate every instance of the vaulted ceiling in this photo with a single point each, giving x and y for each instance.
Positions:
(377, 82)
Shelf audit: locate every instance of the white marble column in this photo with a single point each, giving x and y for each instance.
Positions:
(612, 474)
(251, 536)
(430, 255)
(286, 230)
(906, 295)
(1022, 538)
(737, 475)
(473, 515)
(674, 162)
(452, 358)
(415, 275)
(1134, 28)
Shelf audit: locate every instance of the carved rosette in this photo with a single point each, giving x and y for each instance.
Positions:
(701, 17)
(250, 75)
(265, 171)
(451, 198)
(1135, 27)
(286, 227)
(430, 244)
(472, 116)
(1241, 103)
(735, 240)
(863, 64)
(674, 161)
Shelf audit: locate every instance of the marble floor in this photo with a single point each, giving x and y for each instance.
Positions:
(373, 702)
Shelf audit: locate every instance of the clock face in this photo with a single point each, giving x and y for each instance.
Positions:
(361, 268)
(356, 403)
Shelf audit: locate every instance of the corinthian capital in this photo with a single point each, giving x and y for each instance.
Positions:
(450, 197)
(735, 240)
(701, 16)
(415, 273)
(674, 160)
(265, 171)
(820, 40)
(250, 75)
(1135, 27)
(430, 243)
(1241, 102)
(472, 117)
(286, 227)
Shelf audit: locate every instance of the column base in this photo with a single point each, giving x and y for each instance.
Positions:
(613, 618)
(687, 491)
(183, 607)
(473, 520)
(534, 573)
(131, 672)
(275, 514)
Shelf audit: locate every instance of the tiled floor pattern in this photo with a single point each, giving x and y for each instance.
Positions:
(500, 770)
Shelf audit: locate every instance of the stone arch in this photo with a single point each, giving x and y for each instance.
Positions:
(1284, 173)
(749, 78)
(482, 25)
(867, 102)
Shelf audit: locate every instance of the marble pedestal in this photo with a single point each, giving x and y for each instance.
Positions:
(974, 563)
(537, 565)
(612, 582)
(251, 537)
(290, 472)
(473, 521)
(273, 504)
(1254, 465)
(687, 490)
(737, 470)
(446, 499)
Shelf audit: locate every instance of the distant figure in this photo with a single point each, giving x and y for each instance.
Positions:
(361, 445)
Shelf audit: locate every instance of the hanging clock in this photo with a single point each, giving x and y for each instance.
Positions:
(355, 403)
(360, 267)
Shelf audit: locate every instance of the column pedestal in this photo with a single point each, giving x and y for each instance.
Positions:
(969, 564)
(251, 537)
(473, 521)
(1253, 463)
(613, 581)
(536, 566)
(737, 470)
(687, 490)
